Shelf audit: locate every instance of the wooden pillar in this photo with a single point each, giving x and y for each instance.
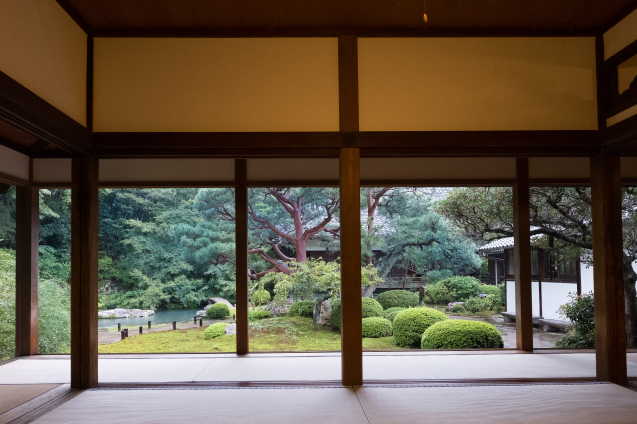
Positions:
(27, 241)
(522, 255)
(241, 245)
(351, 303)
(84, 246)
(608, 269)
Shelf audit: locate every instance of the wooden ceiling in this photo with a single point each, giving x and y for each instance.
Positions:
(114, 17)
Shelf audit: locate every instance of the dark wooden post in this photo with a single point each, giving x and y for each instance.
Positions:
(27, 241)
(119, 326)
(200, 322)
(522, 258)
(174, 325)
(149, 325)
(241, 245)
(608, 269)
(140, 329)
(84, 245)
(351, 303)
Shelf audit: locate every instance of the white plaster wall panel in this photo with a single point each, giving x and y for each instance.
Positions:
(628, 166)
(535, 298)
(42, 48)
(555, 295)
(159, 170)
(559, 168)
(510, 304)
(437, 168)
(458, 84)
(624, 114)
(52, 170)
(216, 84)
(586, 275)
(621, 35)
(13, 163)
(292, 169)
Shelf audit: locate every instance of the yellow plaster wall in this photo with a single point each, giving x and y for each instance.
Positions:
(43, 49)
(621, 35)
(419, 84)
(199, 84)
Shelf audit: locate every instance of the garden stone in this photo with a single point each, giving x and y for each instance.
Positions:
(322, 311)
(231, 329)
(450, 306)
(482, 295)
(201, 313)
(124, 313)
(275, 309)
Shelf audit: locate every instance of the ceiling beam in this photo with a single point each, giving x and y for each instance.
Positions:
(14, 146)
(75, 15)
(38, 147)
(619, 17)
(27, 111)
(620, 137)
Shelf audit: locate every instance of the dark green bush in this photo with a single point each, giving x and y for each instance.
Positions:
(488, 289)
(215, 330)
(458, 309)
(257, 315)
(478, 304)
(410, 324)
(461, 334)
(371, 308)
(400, 298)
(429, 292)
(391, 313)
(376, 327)
(302, 308)
(218, 311)
(455, 289)
(580, 310)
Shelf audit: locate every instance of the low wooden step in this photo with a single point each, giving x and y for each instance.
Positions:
(554, 325)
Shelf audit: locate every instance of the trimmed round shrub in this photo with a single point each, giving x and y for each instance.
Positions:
(398, 298)
(458, 309)
(215, 330)
(456, 289)
(371, 308)
(260, 297)
(410, 324)
(218, 311)
(391, 313)
(302, 308)
(461, 334)
(257, 315)
(376, 327)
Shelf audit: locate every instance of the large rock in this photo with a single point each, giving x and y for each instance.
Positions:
(201, 313)
(124, 313)
(450, 306)
(231, 329)
(322, 311)
(275, 309)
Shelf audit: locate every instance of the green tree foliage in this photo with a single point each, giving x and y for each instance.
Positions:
(54, 316)
(560, 217)
(580, 310)
(7, 304)
(461, 334)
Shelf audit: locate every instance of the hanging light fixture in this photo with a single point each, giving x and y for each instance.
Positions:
(424, 11)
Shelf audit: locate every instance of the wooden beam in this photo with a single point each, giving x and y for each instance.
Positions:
(619, 17)
(27, 111)
(75, 15)
(608, 269)
(241, 246)
(601, 75)
(522, 255)
(351, 303)
(84, 247)
(348, 82)
(27, 241)
(620, 137)
(89, 82)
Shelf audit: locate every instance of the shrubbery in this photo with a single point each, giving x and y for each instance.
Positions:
(458, 309)
(581, 312)
(371, 308)
(398, 298)
(215, 330)
(260, 297)
(376, 327)
(258, 315)
(455, 289)
(489, 289)
(302, 308)
(461, 334)
(391, 313)
(478, 304)
(218, 311)
(410, 324)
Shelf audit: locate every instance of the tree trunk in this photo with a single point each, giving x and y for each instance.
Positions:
(630, 298)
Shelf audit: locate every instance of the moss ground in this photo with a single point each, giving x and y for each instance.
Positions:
(276, 334)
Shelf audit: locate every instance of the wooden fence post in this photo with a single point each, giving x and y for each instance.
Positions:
(241, 231)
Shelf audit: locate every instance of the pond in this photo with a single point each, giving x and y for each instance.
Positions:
(160, 317)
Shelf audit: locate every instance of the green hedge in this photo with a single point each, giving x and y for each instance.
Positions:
(398, 298)
(257, 315)
(371, 308)
(488, 289)
(215, 330)
(391, 313)
(218, 311)
(376, 327)
(410, 324)
(302, 308)
(461, 334)
(457, 309)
